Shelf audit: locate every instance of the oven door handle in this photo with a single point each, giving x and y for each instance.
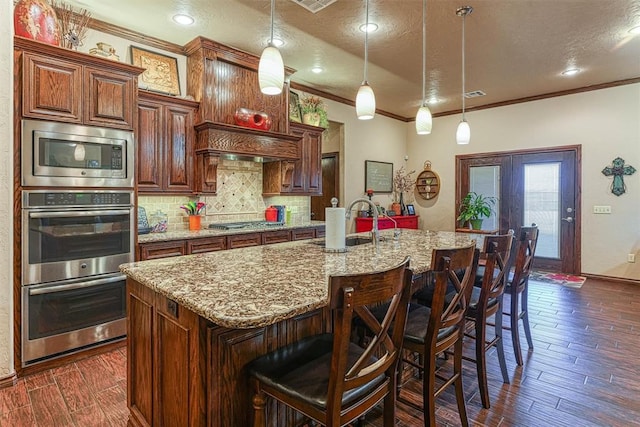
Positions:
(79, 285)
(59, 214)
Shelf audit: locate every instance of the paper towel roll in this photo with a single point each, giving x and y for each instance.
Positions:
(335, 228)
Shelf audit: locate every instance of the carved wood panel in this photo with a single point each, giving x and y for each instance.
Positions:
(180, 154)
(52, 89)
(109, 99)
(149, 146)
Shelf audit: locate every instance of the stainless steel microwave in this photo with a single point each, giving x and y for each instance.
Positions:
(68, 155)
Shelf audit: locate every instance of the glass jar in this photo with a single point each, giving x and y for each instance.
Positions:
(159, 222)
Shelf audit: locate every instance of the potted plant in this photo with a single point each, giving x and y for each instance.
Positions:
(474, 207)
(314, 112)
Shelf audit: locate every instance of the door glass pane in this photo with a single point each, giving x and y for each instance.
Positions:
(485, 180)
(542, 206)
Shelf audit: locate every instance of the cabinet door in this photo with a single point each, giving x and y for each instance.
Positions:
(235, 241)
(303, 233)
(52, 89)
(313, 158)
(149, 150)
(162, 250)
(109, 99)
(179, 135)
(208, 244)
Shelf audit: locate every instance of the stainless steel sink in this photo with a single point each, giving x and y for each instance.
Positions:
(349, 241)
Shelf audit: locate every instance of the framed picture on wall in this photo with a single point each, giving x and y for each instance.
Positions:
(161, 71)
(411, 210)
(294, 108)
(378, 176)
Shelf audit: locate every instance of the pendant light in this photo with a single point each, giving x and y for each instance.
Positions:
(366, 100)
(463, 134)
(271, 66)
(424, 121)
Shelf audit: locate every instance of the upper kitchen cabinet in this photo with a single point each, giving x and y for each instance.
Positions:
(64, 85)
(165, 144)
(302, 176)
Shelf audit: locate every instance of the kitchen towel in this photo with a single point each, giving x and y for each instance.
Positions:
(335, 228)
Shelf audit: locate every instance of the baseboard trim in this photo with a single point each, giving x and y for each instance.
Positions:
(612, 279)
(8, 381)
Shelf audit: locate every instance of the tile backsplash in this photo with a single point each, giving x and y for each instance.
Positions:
(239, 198)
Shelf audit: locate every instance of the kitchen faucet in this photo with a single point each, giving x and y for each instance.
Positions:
(375, 233)
(396, 230)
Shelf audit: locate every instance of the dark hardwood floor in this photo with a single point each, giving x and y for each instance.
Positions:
(584, 371)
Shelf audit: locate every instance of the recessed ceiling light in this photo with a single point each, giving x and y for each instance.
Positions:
(370, 29)
(571, 72)
(276, 42)
(183, 19)
(635, 30)
(317, 70)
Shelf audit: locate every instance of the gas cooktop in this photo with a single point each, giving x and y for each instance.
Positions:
(246, 224)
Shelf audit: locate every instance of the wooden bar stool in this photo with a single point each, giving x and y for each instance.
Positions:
(327, 377)
(518, 288)
(433, 330)
(485, 302)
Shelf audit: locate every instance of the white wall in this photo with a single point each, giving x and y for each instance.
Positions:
(381, 139)
(6, 189)
(606, 123)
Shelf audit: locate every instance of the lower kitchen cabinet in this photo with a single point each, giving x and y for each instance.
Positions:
(164, 249)
(183, 370)
(155, 250)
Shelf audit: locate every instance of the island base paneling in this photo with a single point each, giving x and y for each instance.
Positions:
(185, 370)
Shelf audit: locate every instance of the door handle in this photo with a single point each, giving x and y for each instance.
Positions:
(568, 219)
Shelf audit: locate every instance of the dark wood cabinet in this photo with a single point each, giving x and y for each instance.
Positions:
(206, 244)
(302, 176)
(409, 221)
(165, 144)
(154, 250)
(77, 89)
(183, 370)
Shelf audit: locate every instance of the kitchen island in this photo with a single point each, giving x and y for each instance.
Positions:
(195, 321)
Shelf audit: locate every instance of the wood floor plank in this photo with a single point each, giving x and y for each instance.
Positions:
(49, 408)
(12, 398)
(97, 374)
(74, 390)
(91, 416)
(21, 417)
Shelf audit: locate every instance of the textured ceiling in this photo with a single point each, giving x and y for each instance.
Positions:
(514, 48)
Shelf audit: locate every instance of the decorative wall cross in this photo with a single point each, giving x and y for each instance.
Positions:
(618, 170)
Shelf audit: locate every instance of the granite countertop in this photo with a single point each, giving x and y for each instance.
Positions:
(210, 232)
(261, 285)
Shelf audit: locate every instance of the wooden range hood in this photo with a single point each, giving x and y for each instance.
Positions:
(224, 79)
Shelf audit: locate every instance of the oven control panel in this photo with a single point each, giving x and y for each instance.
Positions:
(77, 198)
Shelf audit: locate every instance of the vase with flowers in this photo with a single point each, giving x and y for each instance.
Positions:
(402, 182)
(193, 209)
(314, 112)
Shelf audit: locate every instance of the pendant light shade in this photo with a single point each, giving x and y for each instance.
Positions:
(271, 71)
(424, 122)
(271, 66)
(463, 134)
(366, 100)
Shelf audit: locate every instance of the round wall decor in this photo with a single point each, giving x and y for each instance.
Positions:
(428, 182)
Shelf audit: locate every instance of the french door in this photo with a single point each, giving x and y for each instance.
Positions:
(532, 187)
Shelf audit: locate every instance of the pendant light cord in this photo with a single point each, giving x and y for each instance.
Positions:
(366, 39)
(464, 17)
(424, 52)
(273, 9)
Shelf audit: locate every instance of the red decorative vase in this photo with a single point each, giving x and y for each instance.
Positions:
(252, 119)
(37, 20)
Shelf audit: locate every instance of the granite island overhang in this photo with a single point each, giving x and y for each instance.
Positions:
(258, 286)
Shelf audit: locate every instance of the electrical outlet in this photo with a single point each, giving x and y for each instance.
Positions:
(601, 209)
(631, 258)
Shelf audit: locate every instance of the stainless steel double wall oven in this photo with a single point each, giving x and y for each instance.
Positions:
(77, 228)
